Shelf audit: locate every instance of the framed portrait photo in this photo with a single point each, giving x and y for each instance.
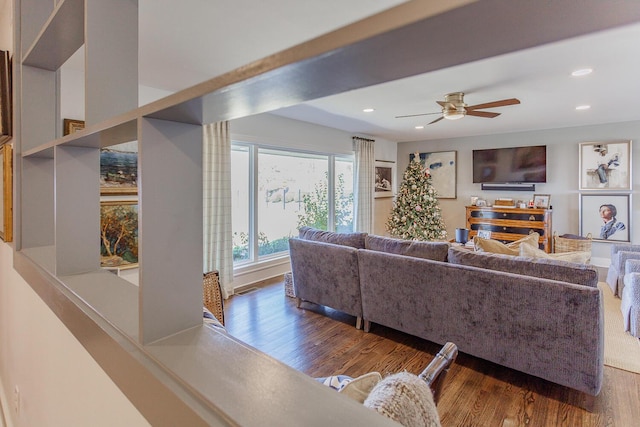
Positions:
(443, 167)
(606, 216)
(384, 176)
(605, 165)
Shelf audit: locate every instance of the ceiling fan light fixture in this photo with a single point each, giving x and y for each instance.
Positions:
(454, 114)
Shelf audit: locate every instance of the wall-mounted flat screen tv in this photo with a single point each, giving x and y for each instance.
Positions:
(515, 165)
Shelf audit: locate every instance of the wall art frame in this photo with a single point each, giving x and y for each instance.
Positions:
(443, 167)
(119, 233)
(385, 173)
(593, 217)
(70, 126)
(119, 169)
(605, 166)
(6, 105)
(6, 193)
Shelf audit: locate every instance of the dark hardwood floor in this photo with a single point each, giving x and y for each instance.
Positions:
(320, 341)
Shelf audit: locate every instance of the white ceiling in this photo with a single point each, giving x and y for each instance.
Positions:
(179, 48)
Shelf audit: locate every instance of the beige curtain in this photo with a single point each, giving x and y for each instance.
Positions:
(218, 235)
(364, 174)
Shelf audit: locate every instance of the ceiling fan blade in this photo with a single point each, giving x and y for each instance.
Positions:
(487, 114)
(416, 115)
(494, 104)
(437, 120)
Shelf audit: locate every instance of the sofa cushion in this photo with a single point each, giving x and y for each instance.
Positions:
(580, 257)
(436, 251)
(406, 399)
(355, 240)
(496, 247)
(563, 271)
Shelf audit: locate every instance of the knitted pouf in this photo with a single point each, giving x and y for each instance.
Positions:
(406, 399)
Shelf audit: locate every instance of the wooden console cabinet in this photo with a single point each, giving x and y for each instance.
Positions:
(510, 224)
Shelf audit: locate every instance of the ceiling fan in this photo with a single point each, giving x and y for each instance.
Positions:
(453, 108)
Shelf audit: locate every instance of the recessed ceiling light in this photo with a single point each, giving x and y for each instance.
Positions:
(582, 72)
(368, 110)
(583, 107)
(419, 127)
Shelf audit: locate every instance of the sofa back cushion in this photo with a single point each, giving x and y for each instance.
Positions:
(563, 271)
(436, 251)
(355, 240)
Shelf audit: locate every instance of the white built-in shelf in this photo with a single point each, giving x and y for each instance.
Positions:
(112, 132)
(61, 37)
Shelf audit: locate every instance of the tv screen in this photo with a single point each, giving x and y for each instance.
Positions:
(514, 165)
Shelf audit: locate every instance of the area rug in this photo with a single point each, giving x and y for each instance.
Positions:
(621, 350)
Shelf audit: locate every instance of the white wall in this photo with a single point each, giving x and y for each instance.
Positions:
(562, 172)
(59, 382)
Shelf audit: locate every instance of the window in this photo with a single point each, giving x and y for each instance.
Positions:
(275, 191)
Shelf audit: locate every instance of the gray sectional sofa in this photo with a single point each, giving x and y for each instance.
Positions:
(538, 316)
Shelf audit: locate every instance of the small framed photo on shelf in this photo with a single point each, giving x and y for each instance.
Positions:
(484, 234)
(541, 201)
(70, 126)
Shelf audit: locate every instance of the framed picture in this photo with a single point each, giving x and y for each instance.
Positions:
(541, 201)
(606, 216)
(384, 176)
(6, 112)
(70, 126)
(484, 234)
(605, 165)
(6, 193)
(442, 166)
(119, 169)
(119, 233)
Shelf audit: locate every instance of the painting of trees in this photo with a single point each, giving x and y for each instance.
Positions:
(118, 233)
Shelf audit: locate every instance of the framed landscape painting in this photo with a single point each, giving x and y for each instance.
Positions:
(119, 169)
(119, 233)
(606, 216)
(442, 166)
(605, 165)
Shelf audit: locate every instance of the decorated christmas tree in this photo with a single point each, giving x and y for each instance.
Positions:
(416, 212)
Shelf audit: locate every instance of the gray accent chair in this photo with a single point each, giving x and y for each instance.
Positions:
(630, 306)
(620, 253)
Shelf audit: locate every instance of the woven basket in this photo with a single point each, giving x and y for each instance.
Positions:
(571, 243)
(212, 295)
(288, 285)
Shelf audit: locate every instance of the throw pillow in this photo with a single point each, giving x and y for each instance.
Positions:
(360, 387)
(406, 399)
(580, 257)
(356, 388)
(513, 248)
